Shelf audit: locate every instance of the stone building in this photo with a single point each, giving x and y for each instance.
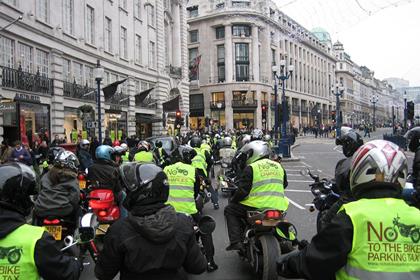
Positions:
(238, 42)
(48, 60)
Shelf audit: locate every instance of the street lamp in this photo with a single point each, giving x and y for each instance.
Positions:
(374, 100)
(219, 106)
(98, 72)
(405, 111)
(339, 90)
(285, 72)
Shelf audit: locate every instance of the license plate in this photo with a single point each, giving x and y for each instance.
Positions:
(102, 229)
(270, 223)
(82, 184)
(55, 231)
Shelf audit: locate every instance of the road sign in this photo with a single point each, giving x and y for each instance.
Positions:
(91, 125)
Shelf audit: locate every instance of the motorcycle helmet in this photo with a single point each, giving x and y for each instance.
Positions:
(186, 154)
(145, 183)
(243, 140)
(116, 143)
(17, 183)
(227, 142)
(53, 152)
(413, 139)
(66, 159)
(257, 134)
(378, 164)
(104, 152)
(195, 142)
(84, 144)
(255, 150)
(124, 146)
(350, 140)
(143, 146)
(158, 144)
(267, 138)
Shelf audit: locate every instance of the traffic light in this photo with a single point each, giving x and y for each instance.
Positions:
(264, 112)
(410, 110)
(333, 115)
(179, 121)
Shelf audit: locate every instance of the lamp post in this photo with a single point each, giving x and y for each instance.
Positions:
(98, 72)
(339, 90)
(285, 72)
(374, 99)
(219, 107)
(405, 111)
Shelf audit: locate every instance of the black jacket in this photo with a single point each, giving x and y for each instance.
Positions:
(85, 159)
(416, 168)
(156, 246)
(106, 173)
(50, 262)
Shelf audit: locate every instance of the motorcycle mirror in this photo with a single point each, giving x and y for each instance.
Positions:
(86, 171)
(206, 224)
(86, 234)
(305, 172)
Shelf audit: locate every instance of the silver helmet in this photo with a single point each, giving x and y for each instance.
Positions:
(255, 150)
(227, 142)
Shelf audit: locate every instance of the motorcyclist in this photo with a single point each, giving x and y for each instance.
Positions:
(357, 244)
(144, 153)
(413, 137)
(158, 152)
(83, 154)
(124, 155)
(35, 252)
(153, 242)
(227, 153)
(184, 184)
(201, 161)
(52, 153)
(59, 195)
(260, 185)
(257, 134)
(104, 171)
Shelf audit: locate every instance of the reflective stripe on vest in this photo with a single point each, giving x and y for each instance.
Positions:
(267, 186)
(18, 250)
(385, 240)
(143, 156)
(181, 179)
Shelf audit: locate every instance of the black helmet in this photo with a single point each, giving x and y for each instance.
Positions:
(350, 140)
(186, 154)
(158, 144)
(53, 152)
(195, 142)
(413, 138)
(66, 159)
(146, 184)
(17, 183)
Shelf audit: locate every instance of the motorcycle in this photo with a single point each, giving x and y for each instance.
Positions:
(324, 196)
(203, 196)
(226, 183)
(13, 254)
(411, 231)
(410, 194)
(59, 227)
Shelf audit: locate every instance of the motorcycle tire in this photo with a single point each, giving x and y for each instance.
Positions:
(14, 256)
(415, 235)
(270, 249)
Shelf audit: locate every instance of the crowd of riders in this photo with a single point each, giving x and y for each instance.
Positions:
(159, 193)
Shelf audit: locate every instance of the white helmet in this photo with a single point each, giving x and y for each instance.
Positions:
(378, 163)
(124, 146)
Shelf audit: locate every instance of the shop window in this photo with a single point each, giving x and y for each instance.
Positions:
(34, 122)
(116, 125)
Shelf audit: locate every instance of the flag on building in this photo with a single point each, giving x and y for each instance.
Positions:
(194, 66)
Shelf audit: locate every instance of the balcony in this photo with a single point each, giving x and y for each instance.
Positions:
(175, 72)
(217, 105)
(196, 106)
(120, 99)
(217, 80)
(18, 79)
(244, 103)
(76, 91)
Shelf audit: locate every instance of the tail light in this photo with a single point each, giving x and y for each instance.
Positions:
(102, 213)
(81, 177)
(273, 214)
(51, 222)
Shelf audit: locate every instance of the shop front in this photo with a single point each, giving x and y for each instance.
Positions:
(73, 126)
(196, 118)
(115, 124)
(144, 127)
(244, 120)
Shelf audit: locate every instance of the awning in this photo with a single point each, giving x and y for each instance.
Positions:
(143, 118)
(110, 89)
(171, 105)
(142, 95)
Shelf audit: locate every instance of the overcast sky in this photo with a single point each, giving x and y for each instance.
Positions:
(383, 35)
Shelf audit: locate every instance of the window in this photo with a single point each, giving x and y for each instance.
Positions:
(242, 61)
(193, 11)
(68, 16)
(220, 5)
(108, 34)
(151, 15)
(11, 2)
(220, 32)
(66, 70)
(123, 4)
(42, 62)
(137, 9)
(138, 49)
(123, 43)
(90, 25)
(241, 4)
(241, 30)
(152, 54)
(42, 10)
(194, 36)
(26, 55)
(273, 57)
(194, 71)
(137, 86)
(7, 49)
(341, 66)
(221, 63)
(78, 72)
(89, 74)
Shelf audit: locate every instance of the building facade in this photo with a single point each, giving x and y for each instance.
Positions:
(48, 60)
(237, 43)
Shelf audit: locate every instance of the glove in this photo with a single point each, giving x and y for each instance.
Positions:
(282, 267)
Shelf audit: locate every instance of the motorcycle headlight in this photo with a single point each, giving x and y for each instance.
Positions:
(224, 165)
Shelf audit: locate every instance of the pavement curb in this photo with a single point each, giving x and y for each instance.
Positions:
(292, 157)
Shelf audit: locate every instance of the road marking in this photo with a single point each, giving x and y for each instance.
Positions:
(291, 174)
(299, 181)
(295, 204)
(287, 169)
(304, 191)
(307, 165)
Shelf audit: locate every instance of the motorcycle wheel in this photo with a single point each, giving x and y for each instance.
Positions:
(270, 250)
(13, 257)
(415, 235)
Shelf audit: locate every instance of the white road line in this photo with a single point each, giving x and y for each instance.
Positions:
(300, 181)
(297, 205)
(304, 191)
(291, 174)
(292, 170)
(307, 165)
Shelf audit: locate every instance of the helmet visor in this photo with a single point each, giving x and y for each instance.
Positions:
(147, 173)
(128, 175)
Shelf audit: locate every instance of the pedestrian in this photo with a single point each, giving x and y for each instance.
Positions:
(5, 151)
(20, 154)
(367, 131)
(57, 141)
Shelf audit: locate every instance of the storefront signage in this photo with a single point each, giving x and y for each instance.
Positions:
(8, 107)
(28, 97)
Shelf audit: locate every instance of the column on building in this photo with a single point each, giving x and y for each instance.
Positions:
(176, 57)
(258, 118)
(228, 53)
(255, 54)
(300, 114)
(131, 114)
(57, 100)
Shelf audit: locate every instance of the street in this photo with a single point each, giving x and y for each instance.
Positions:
(318, 154)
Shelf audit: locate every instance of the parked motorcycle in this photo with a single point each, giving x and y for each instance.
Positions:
(324, 196)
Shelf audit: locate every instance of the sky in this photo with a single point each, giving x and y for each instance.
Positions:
(383, 35)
